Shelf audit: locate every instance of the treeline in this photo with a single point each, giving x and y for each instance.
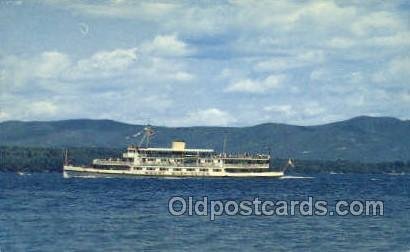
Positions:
(36, 159)
(343, 166)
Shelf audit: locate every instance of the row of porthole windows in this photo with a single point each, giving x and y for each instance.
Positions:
(177, 169)
(174, 160)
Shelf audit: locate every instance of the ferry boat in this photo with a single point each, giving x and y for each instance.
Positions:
(177, 161)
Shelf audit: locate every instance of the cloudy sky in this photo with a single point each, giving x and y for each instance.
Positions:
(185, 63)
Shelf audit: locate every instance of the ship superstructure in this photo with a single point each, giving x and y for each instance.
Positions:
(178, 161)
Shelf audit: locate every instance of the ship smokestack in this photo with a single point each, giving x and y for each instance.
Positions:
(178, 145)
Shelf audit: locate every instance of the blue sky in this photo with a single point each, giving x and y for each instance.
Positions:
(183, 63)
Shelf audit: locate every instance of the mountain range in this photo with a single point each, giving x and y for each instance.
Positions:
(364, 139)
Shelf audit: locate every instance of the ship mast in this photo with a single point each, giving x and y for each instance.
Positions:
(65, 157)
(148, 133)
(224, 146)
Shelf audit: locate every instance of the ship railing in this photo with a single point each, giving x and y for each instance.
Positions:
(180, 165)
(243, 155)
(241, 166)
(220, 156)
(110, 162)
(196, 164)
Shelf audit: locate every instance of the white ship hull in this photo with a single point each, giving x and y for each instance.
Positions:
(74, 171)
(176, 161)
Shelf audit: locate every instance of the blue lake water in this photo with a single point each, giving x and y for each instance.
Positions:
(45, 212)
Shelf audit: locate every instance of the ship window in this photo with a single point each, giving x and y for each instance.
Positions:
(139, 168)
(177, 169)
(111, 167)
(203, 170)
(163, 169)
(216, 170)
(190, 169)
(150, 169)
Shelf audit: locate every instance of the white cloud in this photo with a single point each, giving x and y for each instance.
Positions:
(306, 58)
(51, 64)
(287, 110)
(4, 116)
(327, 12)
(157, 102)
(356, 78)
(205, 117)
(397, 39)
(376, 22)
(16, 72)
(42, 108)
(405, 96)
(163, 70)
(256, 86)
(304, 112)
(183, 76)
(166, 46)
(400, 65)
(217, 18)
(336, 53)
(306, 109)
(319, 74)
(341, 42)
(312, 109)
(395, 73)
(104, 63)
(150, 62)
(119, 9)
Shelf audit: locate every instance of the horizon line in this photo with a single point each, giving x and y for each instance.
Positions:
(219, 126)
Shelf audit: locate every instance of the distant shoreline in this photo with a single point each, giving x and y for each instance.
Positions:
(363, 139)
(48, 159)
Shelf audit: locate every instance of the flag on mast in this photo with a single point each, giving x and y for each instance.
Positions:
(290, 163)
